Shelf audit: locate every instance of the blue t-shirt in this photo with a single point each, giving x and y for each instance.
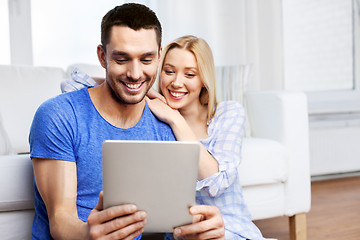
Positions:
(68, 127)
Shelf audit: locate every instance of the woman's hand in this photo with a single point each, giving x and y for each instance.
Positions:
(152, 94)
(207, 224)
(163, 111)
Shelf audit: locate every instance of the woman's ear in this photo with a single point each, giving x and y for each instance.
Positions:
(101, 55)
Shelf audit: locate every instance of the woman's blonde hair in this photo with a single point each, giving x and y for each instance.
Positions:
(205, 62)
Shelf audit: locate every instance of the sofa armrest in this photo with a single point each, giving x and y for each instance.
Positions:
(16, 181)
(283, 116)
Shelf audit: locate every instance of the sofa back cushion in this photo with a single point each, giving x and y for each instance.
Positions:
(5, 147)
(22, 90)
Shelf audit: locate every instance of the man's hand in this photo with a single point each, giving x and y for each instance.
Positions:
(207, 224)
(119, 222)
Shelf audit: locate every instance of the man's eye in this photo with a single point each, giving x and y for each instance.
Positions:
(122, 60)
(147, 60)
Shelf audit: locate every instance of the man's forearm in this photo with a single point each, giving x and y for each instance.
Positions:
(66, 226)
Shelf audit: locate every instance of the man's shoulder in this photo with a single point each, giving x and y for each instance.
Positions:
(149, 116)
(161, 129)
(63, 101)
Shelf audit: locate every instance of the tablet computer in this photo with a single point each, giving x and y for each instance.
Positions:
(159, 177)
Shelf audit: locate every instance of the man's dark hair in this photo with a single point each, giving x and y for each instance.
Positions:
(132, 15)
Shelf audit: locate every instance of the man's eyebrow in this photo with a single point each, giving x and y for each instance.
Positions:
(119, 53)
(149, 54)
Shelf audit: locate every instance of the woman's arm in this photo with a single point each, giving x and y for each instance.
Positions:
(219, 162)
(182, 131)
(224, 144)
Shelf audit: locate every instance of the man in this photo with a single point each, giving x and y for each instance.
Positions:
(68, 131)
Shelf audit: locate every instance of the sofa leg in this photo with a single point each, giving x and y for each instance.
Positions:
(298, 227)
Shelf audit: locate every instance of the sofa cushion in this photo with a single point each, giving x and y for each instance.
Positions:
(5, 147)
(23, 89)
(264, 161)
(16, 224)
(16, 181)
(265, 201)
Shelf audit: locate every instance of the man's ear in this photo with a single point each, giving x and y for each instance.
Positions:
(160, 52)
(101, 55)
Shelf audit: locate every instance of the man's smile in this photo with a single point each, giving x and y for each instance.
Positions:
(133, 87)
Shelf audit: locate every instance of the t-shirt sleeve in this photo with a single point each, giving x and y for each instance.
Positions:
(225, 147)
(52, 134)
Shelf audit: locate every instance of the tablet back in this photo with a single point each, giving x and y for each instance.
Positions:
(158, 176)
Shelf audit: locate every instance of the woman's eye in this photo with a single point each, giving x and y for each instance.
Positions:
(190, 75)
(168, 71)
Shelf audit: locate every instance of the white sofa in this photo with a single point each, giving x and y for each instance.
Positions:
(22, 90)
(274, 172)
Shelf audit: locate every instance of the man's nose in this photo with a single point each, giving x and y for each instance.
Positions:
(134, 70)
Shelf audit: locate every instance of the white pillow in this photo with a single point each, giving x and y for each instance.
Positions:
(5, 147)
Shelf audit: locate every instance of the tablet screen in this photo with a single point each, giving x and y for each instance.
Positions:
(157, 176)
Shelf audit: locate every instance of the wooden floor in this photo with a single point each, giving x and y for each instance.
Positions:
(334, 214)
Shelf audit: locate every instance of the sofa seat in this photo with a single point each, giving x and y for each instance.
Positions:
(16, 197)
(16, 180)
(264, 168)
(264, 161)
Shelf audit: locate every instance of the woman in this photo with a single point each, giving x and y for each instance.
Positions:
(187, 82)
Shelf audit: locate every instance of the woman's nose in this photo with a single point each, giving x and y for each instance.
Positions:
(177, 82)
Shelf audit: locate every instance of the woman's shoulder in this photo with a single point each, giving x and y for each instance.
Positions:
(228, 109)
(230, 104)
(229, 118)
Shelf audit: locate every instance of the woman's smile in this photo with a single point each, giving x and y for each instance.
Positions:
(177, 95)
